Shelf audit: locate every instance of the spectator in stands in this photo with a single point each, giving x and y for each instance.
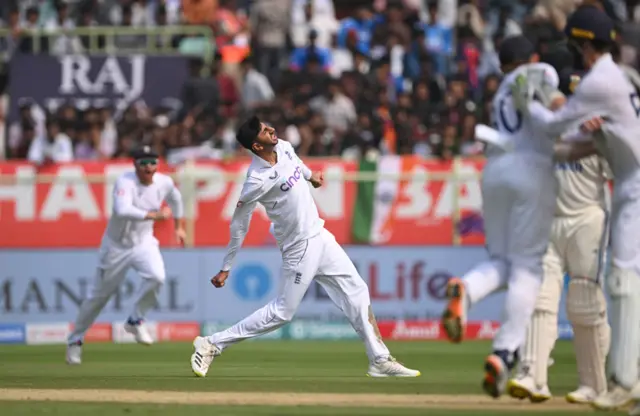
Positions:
(199, 93)
(52, 147)
(391, 24)
(231, 27)
(129, 41)
(87, 142)
(256, 90)
(301, 26)
(164, 40)
(229, 93)
(438, 39)
(270, 22)
(62, 44)
(199, 12)
(363, 24)
(363, 136)
(300, 56)
(108, 131)
(337, 110)
(86, 20)
(469, 16)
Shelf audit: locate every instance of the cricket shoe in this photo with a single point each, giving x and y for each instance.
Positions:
(617, 398)
(203, 356)
(74, 353)
(584, 395)
(496, 374)
(454, 319)
(525, 388)
(389, 367)
(139, 330)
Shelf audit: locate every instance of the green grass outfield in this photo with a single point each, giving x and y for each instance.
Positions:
(263, 378)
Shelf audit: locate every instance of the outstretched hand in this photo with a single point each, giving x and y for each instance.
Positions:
(317, 179)
(219, 279)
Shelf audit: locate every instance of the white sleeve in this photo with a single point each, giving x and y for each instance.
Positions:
(252, 191)
(36, 151)
(62, 150)
(123, 201)
(586, 102)
(174, 199)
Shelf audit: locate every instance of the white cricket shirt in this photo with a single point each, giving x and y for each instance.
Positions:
(607, 92)
(582, 184)
(519, 132)
(132, 201)
(286, 196)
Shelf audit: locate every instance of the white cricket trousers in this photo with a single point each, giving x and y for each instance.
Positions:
(320, 258)
(518, 203)
(114, 262)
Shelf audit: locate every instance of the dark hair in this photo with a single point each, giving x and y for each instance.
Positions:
(248, 132)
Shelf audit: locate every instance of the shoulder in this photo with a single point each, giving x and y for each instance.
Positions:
(164, 180)
(285, 144)
(255, 176)
(127, 179)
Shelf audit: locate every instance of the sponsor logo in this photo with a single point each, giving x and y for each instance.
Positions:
(55, 333)
(251, 281)
(291, 180)
(318, 330)
(416, 330)
(12, 334)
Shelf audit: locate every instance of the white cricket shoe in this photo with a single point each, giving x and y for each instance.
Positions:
(203, 356)
(389, 367)
(615, 399)
(524, 387)
(74, 353)
(584, 395)
(139, 331)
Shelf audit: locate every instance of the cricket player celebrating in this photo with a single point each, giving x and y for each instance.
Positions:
(577, 247)
(128, 242)
(608, 106)
(518, 197)
(277, 179)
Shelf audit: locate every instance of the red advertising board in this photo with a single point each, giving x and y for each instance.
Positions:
(72, 209)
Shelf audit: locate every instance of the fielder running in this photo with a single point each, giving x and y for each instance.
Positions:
(128, 242)
(277, 179)
(518, 197)
(608, 106)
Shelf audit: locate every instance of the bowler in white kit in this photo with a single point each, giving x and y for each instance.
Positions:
(518, 197)
(128, 242)
(607, 105)
(277, 179)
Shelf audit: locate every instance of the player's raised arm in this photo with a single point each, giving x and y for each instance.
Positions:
(316, 179)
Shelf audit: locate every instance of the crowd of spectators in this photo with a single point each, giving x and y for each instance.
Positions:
(396, 76)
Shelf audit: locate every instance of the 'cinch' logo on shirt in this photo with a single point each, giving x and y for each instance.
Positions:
(291, 180)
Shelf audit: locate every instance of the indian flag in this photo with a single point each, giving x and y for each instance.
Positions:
(372, 221)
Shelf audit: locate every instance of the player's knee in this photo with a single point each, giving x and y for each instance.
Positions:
(586, 303)
(282, 313)
(623, 282)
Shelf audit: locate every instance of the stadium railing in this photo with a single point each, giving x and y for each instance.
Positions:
(190, 176)
(102, 39)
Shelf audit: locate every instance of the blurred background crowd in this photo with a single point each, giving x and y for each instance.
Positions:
(335, 78)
